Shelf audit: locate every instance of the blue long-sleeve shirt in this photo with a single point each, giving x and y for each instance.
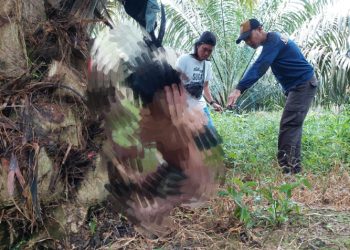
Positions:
(287, 63)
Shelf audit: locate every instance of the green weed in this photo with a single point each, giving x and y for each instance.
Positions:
(93, 225)
(270, 206)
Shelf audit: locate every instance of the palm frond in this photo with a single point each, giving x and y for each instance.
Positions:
(322, 36)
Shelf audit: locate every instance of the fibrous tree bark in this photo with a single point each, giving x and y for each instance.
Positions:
(49, 171)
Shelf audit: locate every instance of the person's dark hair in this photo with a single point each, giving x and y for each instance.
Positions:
(207, 37)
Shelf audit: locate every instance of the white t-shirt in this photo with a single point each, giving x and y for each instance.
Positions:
(191, 71)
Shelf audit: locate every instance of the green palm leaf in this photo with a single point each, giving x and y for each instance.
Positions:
(323, 39)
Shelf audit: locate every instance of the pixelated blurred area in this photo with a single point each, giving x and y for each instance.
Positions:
(161, 125)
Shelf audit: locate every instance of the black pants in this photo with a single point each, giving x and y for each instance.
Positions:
(289, 140)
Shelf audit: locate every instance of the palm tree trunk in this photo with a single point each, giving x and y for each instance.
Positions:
(45, 126)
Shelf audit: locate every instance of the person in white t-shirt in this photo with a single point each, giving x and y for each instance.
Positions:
(196, 72)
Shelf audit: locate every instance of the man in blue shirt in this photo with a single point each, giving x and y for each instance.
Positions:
(296, 77)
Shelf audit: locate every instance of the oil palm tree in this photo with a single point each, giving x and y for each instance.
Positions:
(44, 147)
(325, 43)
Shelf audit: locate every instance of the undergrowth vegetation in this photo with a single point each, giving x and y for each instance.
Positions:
(266, 206)
(250, 140)
(262, 195)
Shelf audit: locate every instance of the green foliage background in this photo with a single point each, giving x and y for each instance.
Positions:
(322, 35)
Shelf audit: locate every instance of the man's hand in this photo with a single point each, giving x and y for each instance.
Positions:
(217, 107)
(232, 98)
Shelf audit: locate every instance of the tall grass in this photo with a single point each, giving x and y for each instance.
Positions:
(250, 140)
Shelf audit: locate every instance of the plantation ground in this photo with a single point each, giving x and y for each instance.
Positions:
(322, 217)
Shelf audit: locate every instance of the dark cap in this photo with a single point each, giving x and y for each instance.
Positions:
(208, 38)
(246, 29)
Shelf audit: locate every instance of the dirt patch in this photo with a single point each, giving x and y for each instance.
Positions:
(329, 191)
(314, 229)
(211, 226)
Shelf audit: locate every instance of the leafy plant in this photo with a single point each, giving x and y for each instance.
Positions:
(93, 225)
(280, 204)
(244, 190)
(271, 205)
(19, 245)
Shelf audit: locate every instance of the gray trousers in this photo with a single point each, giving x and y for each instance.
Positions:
(289, 140)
